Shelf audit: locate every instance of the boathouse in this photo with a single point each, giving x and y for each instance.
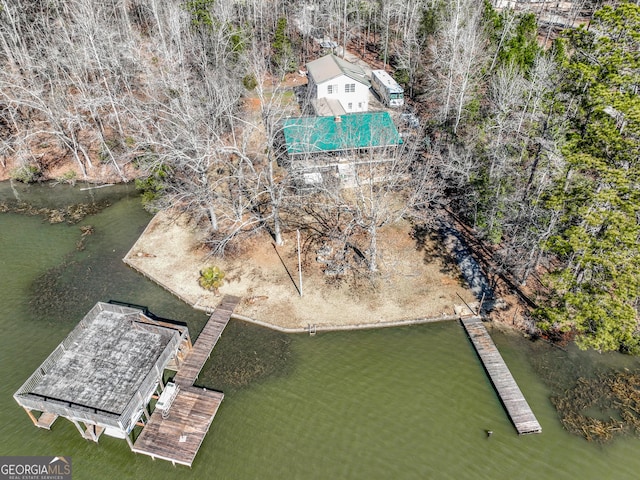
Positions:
(105, 372)
(104, 375)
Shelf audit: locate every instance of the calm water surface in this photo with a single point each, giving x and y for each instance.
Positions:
(406, 403)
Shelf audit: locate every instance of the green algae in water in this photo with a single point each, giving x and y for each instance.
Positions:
(596, 396)
(71, 214)
(246, 353)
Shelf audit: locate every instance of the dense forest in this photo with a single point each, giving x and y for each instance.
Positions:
(528, 136)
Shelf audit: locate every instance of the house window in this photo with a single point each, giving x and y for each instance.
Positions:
(349, 106)
(359, 105)
(332, 89)
(350, 88)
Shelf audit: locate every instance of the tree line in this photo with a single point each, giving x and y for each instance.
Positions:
(545, 168)
(535, 147)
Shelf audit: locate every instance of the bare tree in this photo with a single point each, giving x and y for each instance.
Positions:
(457, 53)
(506, 170)
(377, 188)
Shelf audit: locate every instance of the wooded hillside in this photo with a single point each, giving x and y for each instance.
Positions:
(529, 139)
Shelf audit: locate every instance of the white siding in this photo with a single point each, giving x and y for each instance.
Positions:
(359, 98)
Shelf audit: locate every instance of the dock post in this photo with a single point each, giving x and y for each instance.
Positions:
(31, 416)
(129, 442)
(75, 422)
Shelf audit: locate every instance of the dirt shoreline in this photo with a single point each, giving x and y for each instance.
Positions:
(67, 171)
(415, 285)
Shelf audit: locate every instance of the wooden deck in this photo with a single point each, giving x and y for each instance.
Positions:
(193, 363)
(177, 438)
(178, 434)
(46, 420)
(514, 402)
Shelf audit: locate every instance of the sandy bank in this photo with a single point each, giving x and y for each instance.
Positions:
(414, 284)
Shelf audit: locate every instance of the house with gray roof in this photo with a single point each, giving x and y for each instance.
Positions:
(337, 87)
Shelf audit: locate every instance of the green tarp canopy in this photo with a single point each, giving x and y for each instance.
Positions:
(346, 132)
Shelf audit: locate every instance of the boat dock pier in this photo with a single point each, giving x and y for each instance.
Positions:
(512, 398)
(176, 431)
(193, 363)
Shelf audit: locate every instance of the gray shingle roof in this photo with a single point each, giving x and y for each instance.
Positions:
(328, 67)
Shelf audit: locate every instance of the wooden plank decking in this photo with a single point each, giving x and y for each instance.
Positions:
(190, 368)
(46, 419)
(177, 437)
(514, 402)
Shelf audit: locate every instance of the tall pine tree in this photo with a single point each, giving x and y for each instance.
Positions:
(597, 290)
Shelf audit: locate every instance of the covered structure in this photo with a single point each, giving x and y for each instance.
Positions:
(324, 150)
(105, 372)
(358, 131)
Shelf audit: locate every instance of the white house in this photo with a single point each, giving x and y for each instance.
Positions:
(337, 87)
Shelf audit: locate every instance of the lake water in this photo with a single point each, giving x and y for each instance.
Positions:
(405, 403)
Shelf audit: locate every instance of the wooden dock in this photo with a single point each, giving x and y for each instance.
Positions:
(514, 402)
(177, 438)
(193, 363)
(46, 420)
(177, 435)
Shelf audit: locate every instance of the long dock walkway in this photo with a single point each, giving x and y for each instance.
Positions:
(190, 368)
(512, 398)
(177, 433)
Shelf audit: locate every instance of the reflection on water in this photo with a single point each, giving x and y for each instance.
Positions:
(406, 403)
(54, 196)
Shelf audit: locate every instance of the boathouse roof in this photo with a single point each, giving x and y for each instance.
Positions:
(105, 368)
